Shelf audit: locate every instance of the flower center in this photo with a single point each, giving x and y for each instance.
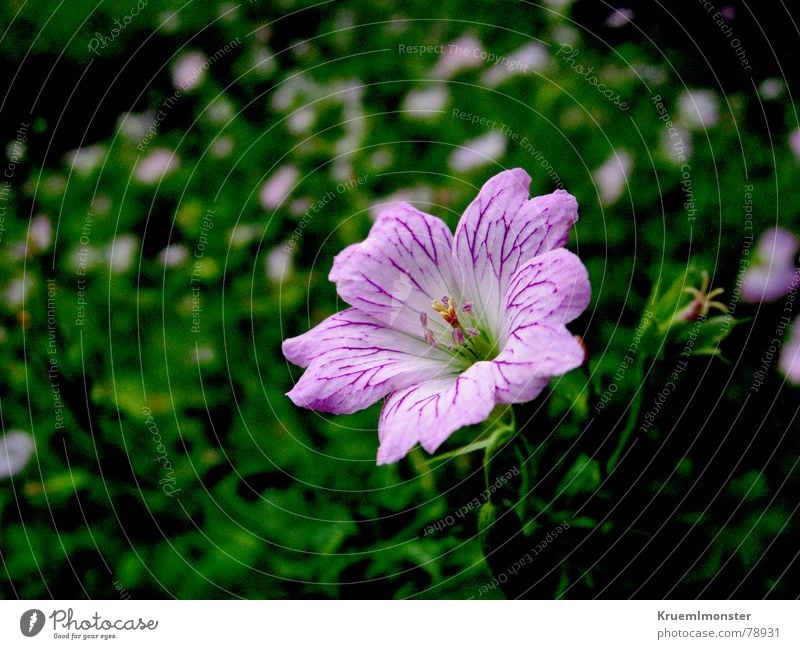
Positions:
(465, 338)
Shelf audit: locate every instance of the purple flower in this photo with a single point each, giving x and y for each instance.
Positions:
(789, 362)
(772, 274)
(449, 367)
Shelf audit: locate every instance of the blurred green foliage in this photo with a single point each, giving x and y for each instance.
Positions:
(272, 501)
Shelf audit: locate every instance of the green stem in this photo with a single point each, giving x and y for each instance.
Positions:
(506, 428)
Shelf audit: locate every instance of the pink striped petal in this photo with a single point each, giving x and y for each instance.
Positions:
(552, 288)
(340, 261)
(543, 296)
(400, 269)
(353, 361)
(430, 412)
(501, 230)
(532, 356)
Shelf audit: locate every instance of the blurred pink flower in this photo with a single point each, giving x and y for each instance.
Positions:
(773, 272)
(155, 165)
(189, 70)
(278, 187)
(794, 143)
(612, 177)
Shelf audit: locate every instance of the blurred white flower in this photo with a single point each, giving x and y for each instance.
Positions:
(611, 177)
(222, 146)
(532, 57)
(220, 111)
(278, 187)
(478, 152)
(677, 143)
(16, 151)
(203, 355)
(381, 159)
(173, 255)
(16, 292)
(228, 11)
(16, 450)
(189, 70)
(299, 206)
(289, 91)
(464, 53)
(155, 165)
(168, 21)
(263, 61)
(40, 234)
(565, 34)
(85, 160)
(620, 17)
(794, 143)
(134, 126)
(426, 103)
(301, 120)
(243, 234)
(121, 253)
(278, 263)
(699, 108)
(771, 88)
(101, 205)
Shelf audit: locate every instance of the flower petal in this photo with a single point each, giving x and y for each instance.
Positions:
(765, 284)
(789, 362)
(533, 355)
(778, 247)
(432, 411)
(501, 230)
(353, 361)
(340, 261)
(403, 265)
(545, 294)
(552, 288)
